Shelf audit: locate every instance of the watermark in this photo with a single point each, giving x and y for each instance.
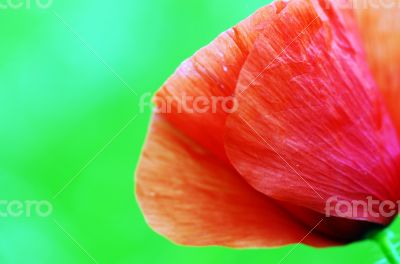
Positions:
(188, 104)
(25, 4)
(361, 208)
(363, 4)
(26, 208)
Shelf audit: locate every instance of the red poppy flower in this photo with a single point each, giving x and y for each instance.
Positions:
(314, 124)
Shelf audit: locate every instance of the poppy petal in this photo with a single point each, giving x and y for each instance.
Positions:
(311, 126)
(193, 199)
(380, 28)
(198, 96)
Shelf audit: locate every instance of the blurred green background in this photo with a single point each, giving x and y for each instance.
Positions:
(71, 130)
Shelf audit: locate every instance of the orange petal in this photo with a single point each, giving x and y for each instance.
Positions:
(193, 199)
(379, 23)
(211, 76)
(311, 122)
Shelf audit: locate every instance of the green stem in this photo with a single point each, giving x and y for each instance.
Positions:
(389, 243)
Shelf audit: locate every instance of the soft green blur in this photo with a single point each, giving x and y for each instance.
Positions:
(68, 134)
